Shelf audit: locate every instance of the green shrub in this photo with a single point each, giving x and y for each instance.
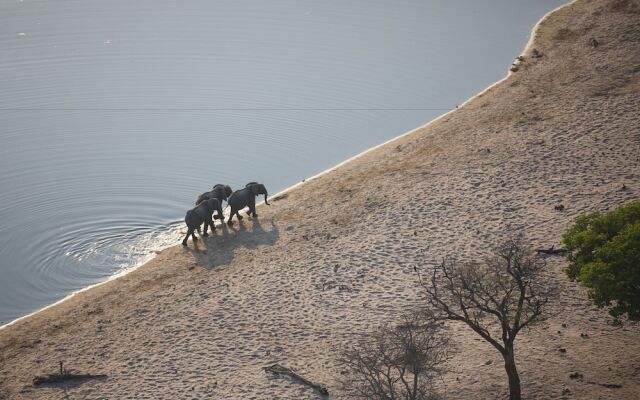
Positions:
(604, 255)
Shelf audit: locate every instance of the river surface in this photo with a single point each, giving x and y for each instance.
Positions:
(116, 114)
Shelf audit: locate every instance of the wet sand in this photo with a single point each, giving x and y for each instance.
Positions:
(332, 258)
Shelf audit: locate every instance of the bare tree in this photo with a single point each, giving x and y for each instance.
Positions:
(496, 299)
(396, 362)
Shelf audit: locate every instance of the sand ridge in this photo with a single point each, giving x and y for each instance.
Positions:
(313, 273)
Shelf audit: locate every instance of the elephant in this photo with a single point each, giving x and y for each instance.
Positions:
(199, 214)
(246, 197)
(219, 191)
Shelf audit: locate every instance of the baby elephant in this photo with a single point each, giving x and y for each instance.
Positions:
(199, 214)
(246, 197)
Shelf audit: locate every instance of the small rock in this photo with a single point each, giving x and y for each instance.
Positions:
(594, 43)
(576, 375)
(566, 391)
(564, 325)
(559, 207)
(488, 362)
(562, 350)
(584, 335)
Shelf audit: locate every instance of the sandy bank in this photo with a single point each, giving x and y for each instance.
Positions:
(334, 257)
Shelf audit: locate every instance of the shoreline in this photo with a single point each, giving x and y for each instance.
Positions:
(71, 295)
(270, 289)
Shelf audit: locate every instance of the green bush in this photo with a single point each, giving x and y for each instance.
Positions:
(604, 255)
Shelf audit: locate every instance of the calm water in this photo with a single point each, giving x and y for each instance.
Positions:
(115, 115)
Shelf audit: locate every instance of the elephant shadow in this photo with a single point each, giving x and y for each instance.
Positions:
(220, 248)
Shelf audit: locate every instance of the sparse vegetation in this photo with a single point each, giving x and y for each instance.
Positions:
(396, 362)
(604, 255)
(496, 298)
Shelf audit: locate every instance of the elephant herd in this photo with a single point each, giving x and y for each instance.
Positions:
(210, 202)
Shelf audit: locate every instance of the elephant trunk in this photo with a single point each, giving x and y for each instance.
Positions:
(265, 199)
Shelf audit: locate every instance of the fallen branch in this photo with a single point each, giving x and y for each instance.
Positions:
(606, 385)
(280, 370)
(62, 376)
(552, 251)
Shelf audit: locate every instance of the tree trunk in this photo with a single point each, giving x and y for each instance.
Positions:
(512, 373)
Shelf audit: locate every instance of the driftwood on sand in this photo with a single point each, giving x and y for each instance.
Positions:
(63, 375)
(280, 370)
(552, 251)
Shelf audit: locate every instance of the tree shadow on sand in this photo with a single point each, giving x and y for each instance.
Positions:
(220, 248)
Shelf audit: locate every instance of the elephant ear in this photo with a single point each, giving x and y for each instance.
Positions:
(227, 191)
(262, 189)
(255, 189)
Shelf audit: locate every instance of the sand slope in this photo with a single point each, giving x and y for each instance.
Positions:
(334, 257)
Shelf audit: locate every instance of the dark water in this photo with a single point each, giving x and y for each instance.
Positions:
(115, 115)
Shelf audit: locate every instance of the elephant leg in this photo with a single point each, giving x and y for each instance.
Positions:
(233, 211)
(206, 227)
(252, 208)
(193, 235)
(189, 232)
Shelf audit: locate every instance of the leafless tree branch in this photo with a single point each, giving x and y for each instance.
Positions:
(496, 298)
(396, 362)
